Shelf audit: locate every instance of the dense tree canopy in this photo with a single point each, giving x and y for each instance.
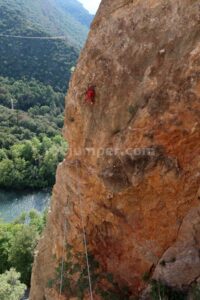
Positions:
(47, 61)
(17, 243)
(10, 286)
(24, 94)
(32, 163)
(17, 126)
(31, 118)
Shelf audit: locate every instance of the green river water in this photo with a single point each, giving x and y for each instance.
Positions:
(13, 203)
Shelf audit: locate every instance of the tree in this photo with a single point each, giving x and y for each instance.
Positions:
(6, 233)
(6, 170)
(10, 286)
(31, 163)
(21, 252)
(37, 220)
(3, 154)
(18, 241)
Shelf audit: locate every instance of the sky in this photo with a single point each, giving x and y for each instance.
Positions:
(91, 5)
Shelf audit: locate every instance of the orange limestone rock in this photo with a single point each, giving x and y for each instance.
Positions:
(131, 178)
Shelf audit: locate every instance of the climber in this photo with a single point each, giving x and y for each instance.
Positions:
(90, 95)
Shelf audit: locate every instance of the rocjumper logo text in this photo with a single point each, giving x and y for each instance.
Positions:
(109, 152)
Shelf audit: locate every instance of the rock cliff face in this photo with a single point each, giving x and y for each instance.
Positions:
(132, 175)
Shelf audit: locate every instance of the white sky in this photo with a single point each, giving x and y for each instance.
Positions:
(91, 5)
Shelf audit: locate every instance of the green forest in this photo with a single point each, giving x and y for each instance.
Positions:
(17, 244)
(31, 119)
(34, 77)
(49, 61)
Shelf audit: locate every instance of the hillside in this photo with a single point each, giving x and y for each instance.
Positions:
(77, 10)
(34, 76)
(48, 61)
(55, 17)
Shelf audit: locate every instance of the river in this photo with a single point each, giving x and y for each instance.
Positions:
(13, 203)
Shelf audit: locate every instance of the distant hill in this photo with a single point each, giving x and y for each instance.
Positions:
(48, 61)
(77, 10)
(54, 17)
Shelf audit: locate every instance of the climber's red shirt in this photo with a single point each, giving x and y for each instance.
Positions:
(90, 95)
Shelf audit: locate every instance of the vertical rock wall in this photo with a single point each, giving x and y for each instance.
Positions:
(134, 156)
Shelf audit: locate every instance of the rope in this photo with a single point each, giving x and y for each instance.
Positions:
(84, 239)
(34, 37)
